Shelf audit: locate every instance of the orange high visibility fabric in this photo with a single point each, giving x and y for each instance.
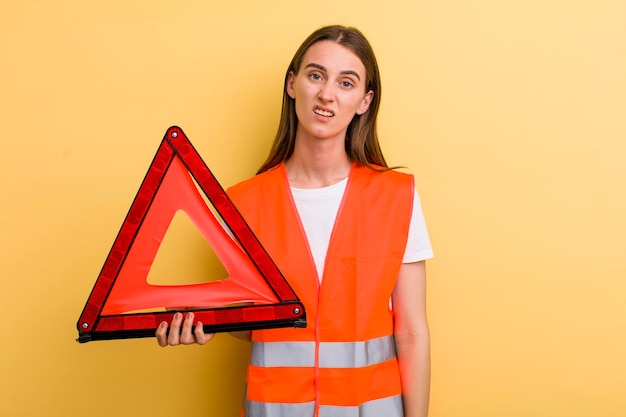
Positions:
(352, 303)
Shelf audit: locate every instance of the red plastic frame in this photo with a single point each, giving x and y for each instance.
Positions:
(94, 325)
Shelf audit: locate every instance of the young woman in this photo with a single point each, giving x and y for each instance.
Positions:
(349, 236)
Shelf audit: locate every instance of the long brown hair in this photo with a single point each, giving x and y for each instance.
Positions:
(361, 142)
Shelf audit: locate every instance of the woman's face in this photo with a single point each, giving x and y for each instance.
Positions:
(329, 89)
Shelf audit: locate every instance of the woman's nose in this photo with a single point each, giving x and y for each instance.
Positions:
(326, 92)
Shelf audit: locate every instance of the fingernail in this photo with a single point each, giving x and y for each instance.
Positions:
(190, 316)
(177, 316)
(163, 324)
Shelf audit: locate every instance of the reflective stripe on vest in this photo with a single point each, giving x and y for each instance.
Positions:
(260, 409)
(332, 354)
(383, 407)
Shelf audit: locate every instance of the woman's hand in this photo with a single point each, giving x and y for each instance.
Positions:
(187, 335)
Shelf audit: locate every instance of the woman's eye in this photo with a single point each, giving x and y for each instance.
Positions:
(346, 84)
(315, 77)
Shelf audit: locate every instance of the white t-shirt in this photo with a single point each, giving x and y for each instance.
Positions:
(318, 207)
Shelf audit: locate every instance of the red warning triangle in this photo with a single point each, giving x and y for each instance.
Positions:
(255, 294)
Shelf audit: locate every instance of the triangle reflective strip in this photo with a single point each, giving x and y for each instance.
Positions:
(122, 286)
(131, 290)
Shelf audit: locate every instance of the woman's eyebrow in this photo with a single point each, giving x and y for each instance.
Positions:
(322, 68)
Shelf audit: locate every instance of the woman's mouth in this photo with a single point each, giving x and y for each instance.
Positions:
(325, 113)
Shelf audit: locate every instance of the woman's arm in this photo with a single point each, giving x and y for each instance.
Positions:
(412, 337)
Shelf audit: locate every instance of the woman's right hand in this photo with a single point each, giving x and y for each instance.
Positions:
(182, 332)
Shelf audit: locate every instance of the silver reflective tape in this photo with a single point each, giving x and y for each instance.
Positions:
(384, 407)
(357, 354)
(269, 354)
(259, 409)
(332, 354)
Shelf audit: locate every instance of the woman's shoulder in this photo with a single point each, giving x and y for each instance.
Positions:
(255, 183)
(383, 174)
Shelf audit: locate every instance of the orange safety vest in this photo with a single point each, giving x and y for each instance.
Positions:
(343, 364)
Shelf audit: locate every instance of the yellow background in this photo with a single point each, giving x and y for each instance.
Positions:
(511, 114)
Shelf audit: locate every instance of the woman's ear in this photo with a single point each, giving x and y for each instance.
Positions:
(365, 104)
(289, 87)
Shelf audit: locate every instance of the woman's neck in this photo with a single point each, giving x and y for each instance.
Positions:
(317, 163)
